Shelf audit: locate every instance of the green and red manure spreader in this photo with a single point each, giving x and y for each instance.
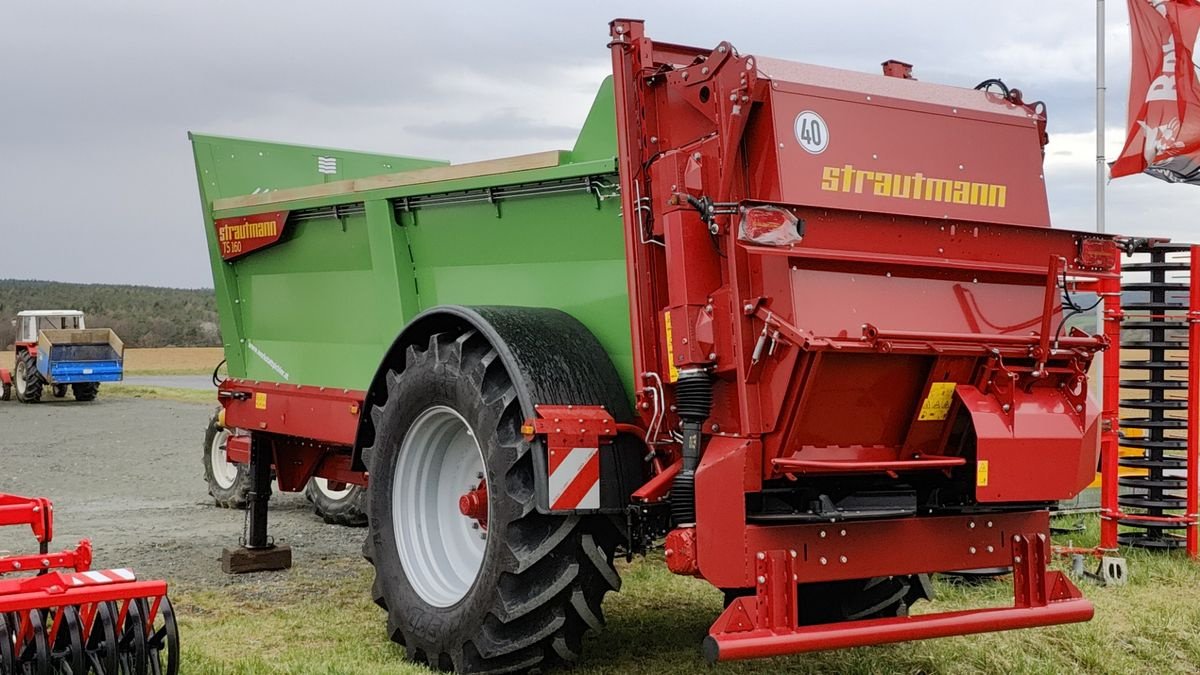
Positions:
(801, 327)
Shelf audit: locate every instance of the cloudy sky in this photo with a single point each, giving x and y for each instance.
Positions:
(96, 98)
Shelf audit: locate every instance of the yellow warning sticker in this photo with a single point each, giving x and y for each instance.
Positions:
(672, 371)
(937, 403)
(260, 400)
(981, 473)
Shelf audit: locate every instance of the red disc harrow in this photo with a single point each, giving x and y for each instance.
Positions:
(57, 615)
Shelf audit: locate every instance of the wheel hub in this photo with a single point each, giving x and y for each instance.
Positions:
(474, 504)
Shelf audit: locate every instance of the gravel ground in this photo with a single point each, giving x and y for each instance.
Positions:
(127, 473)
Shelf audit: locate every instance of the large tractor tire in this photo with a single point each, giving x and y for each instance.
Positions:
(228, 483)
(506, 588)
(26, 379)
(345, 505)
(85, 391)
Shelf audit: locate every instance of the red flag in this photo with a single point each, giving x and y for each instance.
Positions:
(1164, 94)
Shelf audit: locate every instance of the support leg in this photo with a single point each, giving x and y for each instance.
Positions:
(257, 553)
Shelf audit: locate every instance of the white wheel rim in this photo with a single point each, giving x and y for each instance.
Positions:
(224, 472)
(336, 495)
(440, 549)
(20, 379)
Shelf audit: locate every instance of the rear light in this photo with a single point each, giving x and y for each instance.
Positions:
(770, 226)
(1098, 254)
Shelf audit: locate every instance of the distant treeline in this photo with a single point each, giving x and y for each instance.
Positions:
(143, 316)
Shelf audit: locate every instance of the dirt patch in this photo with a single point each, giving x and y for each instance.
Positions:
(127, 473)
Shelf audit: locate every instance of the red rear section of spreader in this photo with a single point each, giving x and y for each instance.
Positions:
(849, 286)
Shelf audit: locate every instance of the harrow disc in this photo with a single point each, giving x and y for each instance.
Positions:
(8, 656)
(102, 648)
(132, 645)
(66, 651)
(33, 657)
(163, 641)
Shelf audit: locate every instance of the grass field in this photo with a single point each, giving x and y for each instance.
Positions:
(656, 622)
(161, 361)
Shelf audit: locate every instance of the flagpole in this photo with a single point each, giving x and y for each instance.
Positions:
(1101, 173)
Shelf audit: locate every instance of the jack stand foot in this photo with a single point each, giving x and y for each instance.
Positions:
(242, 560)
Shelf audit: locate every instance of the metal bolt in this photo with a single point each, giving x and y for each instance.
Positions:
(654, 139)
(971, 525)
(972, 550)
(843, 559)
(712, 356)
(989, 523)
(1017, 559)
(1006, 407)
(16, 565)
(721, 49)
(716, 427)
(822, 534)
(761, 555)
(45, 562)
(843, 533)
(762, 580)
(1078, 408)
(823, 560)
(991, 549)
(748, 307)
(704, 70)
(792, 553)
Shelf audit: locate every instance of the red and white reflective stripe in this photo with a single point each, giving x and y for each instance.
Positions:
(574, 479)
(96, 577)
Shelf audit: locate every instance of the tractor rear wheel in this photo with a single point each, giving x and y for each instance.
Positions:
(26, 379)
(493, 585)
(345, 505)
(85, 391)
(228, 483)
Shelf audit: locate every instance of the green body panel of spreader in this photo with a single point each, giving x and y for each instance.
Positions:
(322, 305)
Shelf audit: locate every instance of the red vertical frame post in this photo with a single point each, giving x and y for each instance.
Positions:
(1193, 404)
(1110, 438)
